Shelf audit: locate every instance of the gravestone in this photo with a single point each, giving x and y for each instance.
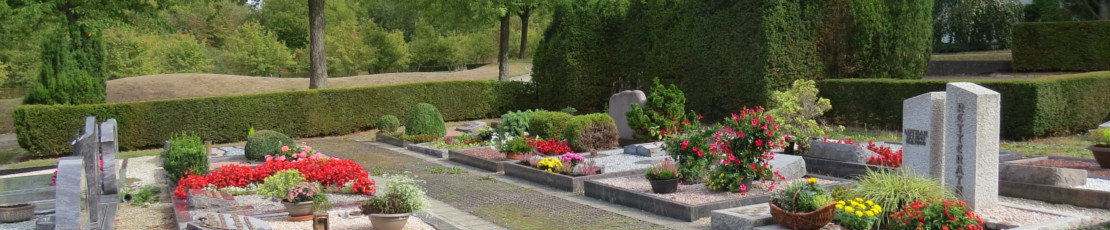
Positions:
(209, 220)
(923, 134)
(472, 127)
(971, 143)
(620, 104)
(67, 198)
(101, 194)
(645, 149)
(840, 152)
(789, 166)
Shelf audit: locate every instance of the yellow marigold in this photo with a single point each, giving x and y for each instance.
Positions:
(859, 214)
(869, 213)
(849, 209)
(840, 202)
(859, 199)
(812, 180)
(869, 202)
(839, 206)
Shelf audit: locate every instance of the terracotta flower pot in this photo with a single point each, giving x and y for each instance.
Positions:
(389, 221)
(804, 221)
(664, 186)
(298, 209)
(515, 156)
(1102, 155)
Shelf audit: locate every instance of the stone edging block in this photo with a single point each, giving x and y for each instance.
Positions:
(427, 150)
(380, 137)
(559, 181)
(478, 162)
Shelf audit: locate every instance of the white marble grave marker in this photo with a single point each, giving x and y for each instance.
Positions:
(923, 135)
(971, 143)
(621, 103)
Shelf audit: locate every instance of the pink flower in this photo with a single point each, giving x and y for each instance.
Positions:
(285, 148)
(318, 156)
(307, 148)
(280, 158)
(699, 117)
(743, 188)
(753, 165)
(685, 143)
(269, 158)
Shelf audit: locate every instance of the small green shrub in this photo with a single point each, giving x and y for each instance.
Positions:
(892, 189)
(516, 145)
(797, 109)
(591, 132)
(281, 183)
(516, 123)
(266, 142)
(1101, 137)
(548, 124)
(425, 119)
(665, 111)
(401, 194)
(388, 123)
(186, 154)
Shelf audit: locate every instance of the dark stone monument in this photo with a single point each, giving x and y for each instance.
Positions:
(96, 143)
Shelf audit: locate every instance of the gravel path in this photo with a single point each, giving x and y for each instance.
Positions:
(1013, 215)
(1097, 215)
(146, 170)
(339, 223)
(29, 224)
(696, 194)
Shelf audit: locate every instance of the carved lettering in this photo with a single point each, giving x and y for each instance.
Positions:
(916, 137)
(959, 147)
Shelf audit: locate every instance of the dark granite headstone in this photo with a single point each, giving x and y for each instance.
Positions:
(68, 194)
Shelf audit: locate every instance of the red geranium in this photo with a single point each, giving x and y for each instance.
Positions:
(550, 147)
(330, 172)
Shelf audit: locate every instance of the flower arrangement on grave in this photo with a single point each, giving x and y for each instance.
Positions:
(330, 172)
(886, 157)
(460, 142)
(295, 192)
(744, 146)
(936, 215)
(297, 153)
(401, 196)
(691, 150)
(550, 147)
(857, 214)
(803, 205)
(663, 176)
(513, 147)
(1101, 147)
(570, 164)
(550, 164)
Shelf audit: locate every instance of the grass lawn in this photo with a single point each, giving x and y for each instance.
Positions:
(998, 55)
(54, 161)
(1068, 146)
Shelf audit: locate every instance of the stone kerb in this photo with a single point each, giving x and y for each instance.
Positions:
(923, 134)
(620, 104)
(971, 143)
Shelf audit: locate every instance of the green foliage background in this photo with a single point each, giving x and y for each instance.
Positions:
(1062, 46)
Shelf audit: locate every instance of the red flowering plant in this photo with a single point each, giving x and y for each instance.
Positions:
(329, 172)
(691, 150)
(944, 215)
(886, 156)
(744, 146)
(549, 147)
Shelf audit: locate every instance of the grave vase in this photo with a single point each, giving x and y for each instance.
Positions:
(664, 186)
(515, 156)
(1102, 155)
(299, 209)
(389, 221)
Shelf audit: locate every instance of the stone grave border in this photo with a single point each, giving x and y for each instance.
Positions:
(381, 137)
(560, 181)
(841, 169)
(478, 162)
(728, 219)
(673, 209)
(428, 150)
(1055, 194)
(1018, 172)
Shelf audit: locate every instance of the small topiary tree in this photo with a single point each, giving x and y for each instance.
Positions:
(548, 124)
(665, 111)
(266, 142)
(591, 132)
(425, 119)
(185, 154)
(797, 110)
(388, 124)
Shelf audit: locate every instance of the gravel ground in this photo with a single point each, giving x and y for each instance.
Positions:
(1097, 215)
(336, 222)
(626, 162)
(29, 224)
(156, 216)
(487, 153)
(262, 203)
(1096, 184)
(1013, 215)
(147, 170)
(695, 193)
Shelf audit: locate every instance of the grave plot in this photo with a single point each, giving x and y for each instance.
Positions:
(610, 163)
(204, 208)
(691, 202)
(1079, 182)
(485, 157)
(1005, 216)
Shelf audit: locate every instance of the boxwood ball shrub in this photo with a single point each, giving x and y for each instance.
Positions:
(388, 123)
(591, 132)
(266, 142)
(548, 124)
(185, 154)
(425, 119)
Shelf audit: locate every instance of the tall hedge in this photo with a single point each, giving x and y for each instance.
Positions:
(1030, 107)
(577, 59)
(1062, 46)
(46, 130)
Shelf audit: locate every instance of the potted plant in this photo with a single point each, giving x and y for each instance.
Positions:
(515, 148)
(663, 177)
(296, 194)
(391, 208)
(803, 205)
(1101, 148)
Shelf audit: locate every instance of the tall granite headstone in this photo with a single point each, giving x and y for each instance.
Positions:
(620, 104)
(96, 143)
(971, 143)
(67, 194)
(923, 135)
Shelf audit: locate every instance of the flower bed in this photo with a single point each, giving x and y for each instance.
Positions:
(484, 157)
(328, 171)
(382, 137)
(691, 202)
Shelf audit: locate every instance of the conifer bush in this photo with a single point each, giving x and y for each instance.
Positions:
(425, 120)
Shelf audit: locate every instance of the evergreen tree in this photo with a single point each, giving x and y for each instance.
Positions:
(72, 71)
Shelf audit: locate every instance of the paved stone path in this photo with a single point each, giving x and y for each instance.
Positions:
(479, 199)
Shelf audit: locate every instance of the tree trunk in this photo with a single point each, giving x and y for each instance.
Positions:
(1104, 9)
(319, 64)
(503, 54)
(524, 31)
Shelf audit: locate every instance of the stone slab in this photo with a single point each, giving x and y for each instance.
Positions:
(478, 162)
(472, 127)
(1064, 177)
(645, 149)
(840, 152)
(972, 120)
(619, 104)
(560, 181)
(233, 151)
(746, 217)
(427, 150)
(1104, 125)
(381, 137)
(923, 134)
(839, 169)
(1055, 194)
(1065, 220)
(108, 147)
(789, 166)
(228, 220)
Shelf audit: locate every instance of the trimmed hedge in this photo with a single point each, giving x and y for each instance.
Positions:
(45, 130)
(548, 124)
(590, 132)
(1031, 108)
(1062, 46)
(186, 154)
(267, 143)
(425, 119)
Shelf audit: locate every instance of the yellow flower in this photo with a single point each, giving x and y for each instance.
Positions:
(869, 213)
(812, 180)
(859, 199)
(859, 214)
(839, 206)
(840, 202)
(861, 207)
(849, 209)
(869, 202)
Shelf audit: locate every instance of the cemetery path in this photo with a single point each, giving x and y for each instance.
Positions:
(493, 197)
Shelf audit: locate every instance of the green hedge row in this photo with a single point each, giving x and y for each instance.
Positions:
(1062, 46)
(46, 130)
(1031, 108)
